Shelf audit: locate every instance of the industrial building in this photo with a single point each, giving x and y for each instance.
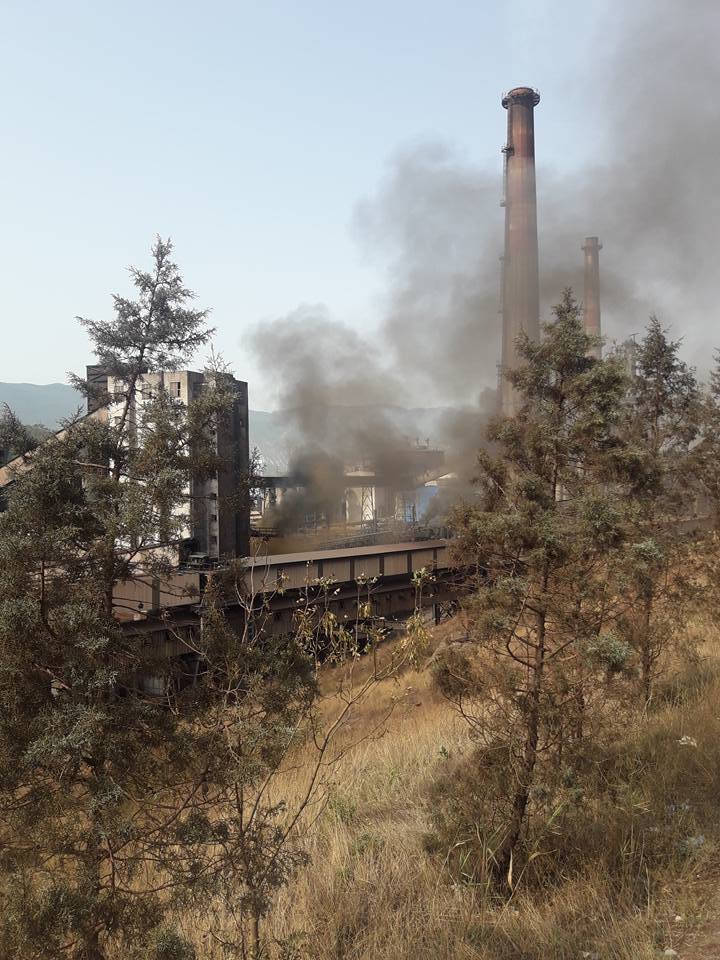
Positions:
(368, 493)
(217, 508)
(371, 493)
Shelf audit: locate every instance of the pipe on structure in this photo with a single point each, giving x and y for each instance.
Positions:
(591, 300)
(520, 283)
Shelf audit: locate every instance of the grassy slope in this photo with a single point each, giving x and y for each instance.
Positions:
(372, 891)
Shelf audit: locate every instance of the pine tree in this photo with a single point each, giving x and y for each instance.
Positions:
(91, 773)
(656, 578)
(542, 624)
(140, 459)
(15, 438)
(118, 810)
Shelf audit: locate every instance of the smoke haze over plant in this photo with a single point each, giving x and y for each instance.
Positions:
(650, 196)
(649, 193)
(338, 394)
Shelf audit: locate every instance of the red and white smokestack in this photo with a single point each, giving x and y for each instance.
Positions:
(521, 287)
(591, 301)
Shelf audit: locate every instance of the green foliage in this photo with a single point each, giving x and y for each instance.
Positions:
(117, 809)
(630, 806)
(158, 330)
(550, 519)
(168, 945)
(704, 460)
(91, 774)
(657, 575)
(609, 651)
(664, 396)
(590, 578)
(15, 438)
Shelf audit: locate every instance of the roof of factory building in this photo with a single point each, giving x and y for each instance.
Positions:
(20, 464)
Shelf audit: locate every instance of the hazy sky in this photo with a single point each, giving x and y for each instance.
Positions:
(249, 132)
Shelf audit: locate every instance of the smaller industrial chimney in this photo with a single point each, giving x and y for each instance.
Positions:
(591, 249)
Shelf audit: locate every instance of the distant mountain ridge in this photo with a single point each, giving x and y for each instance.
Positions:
(271, 432)
(42, 403)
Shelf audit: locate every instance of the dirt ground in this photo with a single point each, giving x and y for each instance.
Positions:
(705, 943)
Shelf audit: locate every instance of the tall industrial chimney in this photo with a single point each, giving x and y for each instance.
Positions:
(591, 300)
(521, 287)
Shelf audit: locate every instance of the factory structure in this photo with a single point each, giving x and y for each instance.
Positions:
(520, 261)
(369, 497)
(591, 291)
(520, 270)
(217, 513)
(216, 507)
(225, 512)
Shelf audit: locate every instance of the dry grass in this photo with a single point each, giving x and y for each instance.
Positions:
(373, 891)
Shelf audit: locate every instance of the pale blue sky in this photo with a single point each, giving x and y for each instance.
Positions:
(247, 132)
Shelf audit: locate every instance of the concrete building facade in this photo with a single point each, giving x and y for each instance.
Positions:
(217, 509)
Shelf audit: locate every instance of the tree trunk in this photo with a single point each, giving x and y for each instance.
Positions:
(579, 725)
(92, 949)
(646, 653)
(255, 941)
(505, 855)
(93, 860)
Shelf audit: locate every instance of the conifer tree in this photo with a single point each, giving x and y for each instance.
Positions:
(542, 622)
(656, 577)
(118, 810)
(91, 773)
(15, 439)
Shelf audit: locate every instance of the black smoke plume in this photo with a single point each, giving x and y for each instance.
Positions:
(650, 193)
(316, 493)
